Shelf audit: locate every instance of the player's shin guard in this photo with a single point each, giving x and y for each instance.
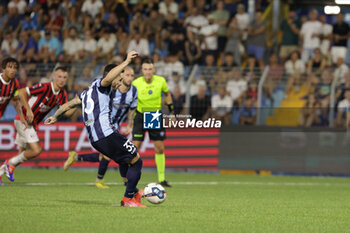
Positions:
(160, 161)
(93, 157)
(133, 175)
(102, 168)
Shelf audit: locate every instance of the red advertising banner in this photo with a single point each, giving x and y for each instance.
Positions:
(184, 148)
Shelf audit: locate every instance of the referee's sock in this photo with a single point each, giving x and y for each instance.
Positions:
(92, 157)
(160, 162)
(133, 175)
(102, 168)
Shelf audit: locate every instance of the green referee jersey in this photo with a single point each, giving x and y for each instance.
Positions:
(149, 96)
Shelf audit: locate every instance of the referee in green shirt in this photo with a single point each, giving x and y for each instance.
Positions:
(150, 88)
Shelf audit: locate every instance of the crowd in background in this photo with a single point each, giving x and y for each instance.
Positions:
(229, 44)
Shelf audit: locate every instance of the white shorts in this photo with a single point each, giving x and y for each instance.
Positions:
(338, 51)
(25, 136)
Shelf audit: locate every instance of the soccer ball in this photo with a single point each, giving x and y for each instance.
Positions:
(154, 193)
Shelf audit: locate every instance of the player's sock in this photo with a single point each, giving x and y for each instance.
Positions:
(133, 175)
(160, 161)
(92, 157)
(2, 170)
(102, 168)
(123, 169)
(18, 159)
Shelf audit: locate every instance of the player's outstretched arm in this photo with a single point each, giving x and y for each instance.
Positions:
(62, 110)
(113, 74)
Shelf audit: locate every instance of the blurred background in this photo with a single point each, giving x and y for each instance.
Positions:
(261, 63)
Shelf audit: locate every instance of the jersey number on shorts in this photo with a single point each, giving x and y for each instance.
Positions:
(129, 146)
(89, 103)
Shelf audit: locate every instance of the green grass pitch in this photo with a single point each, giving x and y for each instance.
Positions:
(57, 201)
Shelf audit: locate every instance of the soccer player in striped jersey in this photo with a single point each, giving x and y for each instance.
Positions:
(37, 101)
(96, 107)
(124, 101)
(9, 91)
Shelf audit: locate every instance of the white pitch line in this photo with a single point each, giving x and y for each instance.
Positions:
(195, 183)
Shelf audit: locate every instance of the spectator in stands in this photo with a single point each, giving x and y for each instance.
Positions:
(29, 23)
(173, 66)
(111, 23)
(179, 100)
(176, 45)
(93, 8)
(105, 47)
(326, 35)
(73, 21)
(252, 70)
(64, 9)
(222, 105)
(140, 45)
(310, 111)
(256, 38)
(340, 70)
(3, 18)
(192, 49)
(246, 114)
(242, 20)
(194, 87)
(195, 21)
(122, 10)
(323, 90)
(342, 119)
(176, 80)
(233, 44)
(236, 86)
(9, 44)
(159, 64)
(21, 6)
(27, 48)
(290, 28)
(171, 25)
(221, 17)
(168, 6)
(89, 46)
(73, 47)
(228, 64)
(294, 64)
(200, 105)
(275, 69)
(340, 36)
(154, 26)
(123, 43)
(83, 82)
(317, 64)
(310, 33)
(253, 90)
(55, 22)
(49, 47)
(210, 37)
(137, 24)
(14, 20)
(209, 69)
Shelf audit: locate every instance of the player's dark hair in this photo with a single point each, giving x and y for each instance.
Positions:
(108, 68)
(63, 68)
(9, 60)
(147, 61)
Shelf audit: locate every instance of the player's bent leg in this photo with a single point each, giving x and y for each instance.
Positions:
(102, 168)
(137, 144)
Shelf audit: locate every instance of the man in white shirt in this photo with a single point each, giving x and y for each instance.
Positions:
(176, 80)
(195, 21)
(310, 33)
(89, 44)
(327, 30)
(236, 87)
(243, 21)
(139, 45)
(341, 70)
(173, 65)
(168, 6)
(93, 7)
(105, 46)
(209, 32)
(221, 105)
(72, 46)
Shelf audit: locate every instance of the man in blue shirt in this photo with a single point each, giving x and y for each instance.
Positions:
(96, 107)
(49, 47)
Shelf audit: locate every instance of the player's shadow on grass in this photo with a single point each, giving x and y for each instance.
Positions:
(86, 202)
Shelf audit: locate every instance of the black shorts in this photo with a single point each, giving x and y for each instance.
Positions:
(117, 147)
(138, 132)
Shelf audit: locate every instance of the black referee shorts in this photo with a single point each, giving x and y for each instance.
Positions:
(138, 132)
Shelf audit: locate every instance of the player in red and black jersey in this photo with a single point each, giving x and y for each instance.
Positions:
(37, 101)
(9, 87)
